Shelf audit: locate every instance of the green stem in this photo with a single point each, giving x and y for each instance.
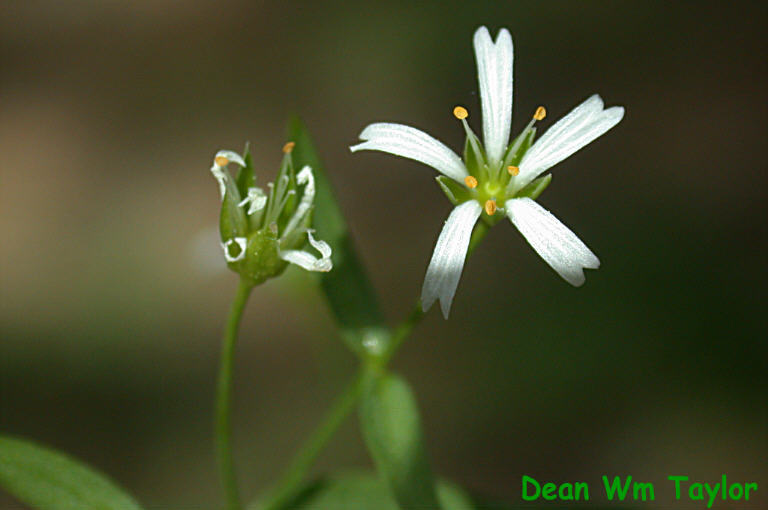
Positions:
(346, 402)
(302, 462)
(224, 398)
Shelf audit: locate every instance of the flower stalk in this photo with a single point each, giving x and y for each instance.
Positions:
(223, 426)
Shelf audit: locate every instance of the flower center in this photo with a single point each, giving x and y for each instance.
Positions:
(488, 183)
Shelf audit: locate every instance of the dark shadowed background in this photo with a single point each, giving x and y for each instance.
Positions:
(114, 290)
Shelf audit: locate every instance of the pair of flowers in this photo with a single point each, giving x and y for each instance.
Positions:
(496, 179)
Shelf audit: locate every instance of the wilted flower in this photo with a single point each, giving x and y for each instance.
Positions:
(262, 231)
(500, 179)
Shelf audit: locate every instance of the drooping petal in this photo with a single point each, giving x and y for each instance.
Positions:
(448, 258)
(552, 240)
(581, 126)
(494, 76)
(257, 198)
(412, 143)
(307, 179)
(220, 161)
(241, 243)
(308, 261)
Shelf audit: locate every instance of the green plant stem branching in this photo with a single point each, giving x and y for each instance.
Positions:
(224, 398)
(290, 482)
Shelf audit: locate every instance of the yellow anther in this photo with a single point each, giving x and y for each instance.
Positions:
(490, 207)
(470, 181)
(288, 147)
(221, 161)
(460, 112)
(513, 170)
(541, 112)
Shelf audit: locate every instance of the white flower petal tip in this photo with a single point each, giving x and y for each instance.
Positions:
(220, 161)
(578, 128)
(307, 179)
(308, 261)
(241, 243)
(553, 241)
(257, 198)
(494, 76)
(223, 158)
(447, 262)
(414, 144)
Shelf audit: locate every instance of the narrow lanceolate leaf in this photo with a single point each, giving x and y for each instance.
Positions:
(389, 419)
(347, 287)
(48, 480)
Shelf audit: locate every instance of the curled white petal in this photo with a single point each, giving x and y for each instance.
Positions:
(494, 76)
(218, 170)
(307, 179)
(448, 258)
(241, 242)
(307, 260)
(412, 143)
(257, 198)
(552, 240)
(581, 126)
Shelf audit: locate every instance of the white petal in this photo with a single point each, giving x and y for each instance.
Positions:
(307, 179)
(307, 260)
(218, 170)
(232, 156)
(552, 240)
(412, 143)
(582, 125)
(494, 76)
(241, 242)
(447, 261)
(257, 198)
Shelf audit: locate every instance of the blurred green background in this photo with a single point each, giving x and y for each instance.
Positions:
(114, 291)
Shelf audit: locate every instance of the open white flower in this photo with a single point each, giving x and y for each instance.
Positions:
(273, 221)
(500, 178)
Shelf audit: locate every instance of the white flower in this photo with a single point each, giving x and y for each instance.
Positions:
(499, 178)
(268, 211)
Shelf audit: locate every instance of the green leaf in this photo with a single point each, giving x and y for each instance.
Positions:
(389, 419)
(455, 192)
(535, 188)
(364, 491)
(347, 287)
(48, 480)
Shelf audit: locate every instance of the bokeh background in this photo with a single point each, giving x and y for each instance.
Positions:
(114, 292)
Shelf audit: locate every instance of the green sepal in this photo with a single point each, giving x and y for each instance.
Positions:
(347, 288)
(455, 192)
(519, 147)
(389, 419)
(246, 178)
(474, 158)
(46, 479)
(232, 220)
(535, 188)
(262, 259)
